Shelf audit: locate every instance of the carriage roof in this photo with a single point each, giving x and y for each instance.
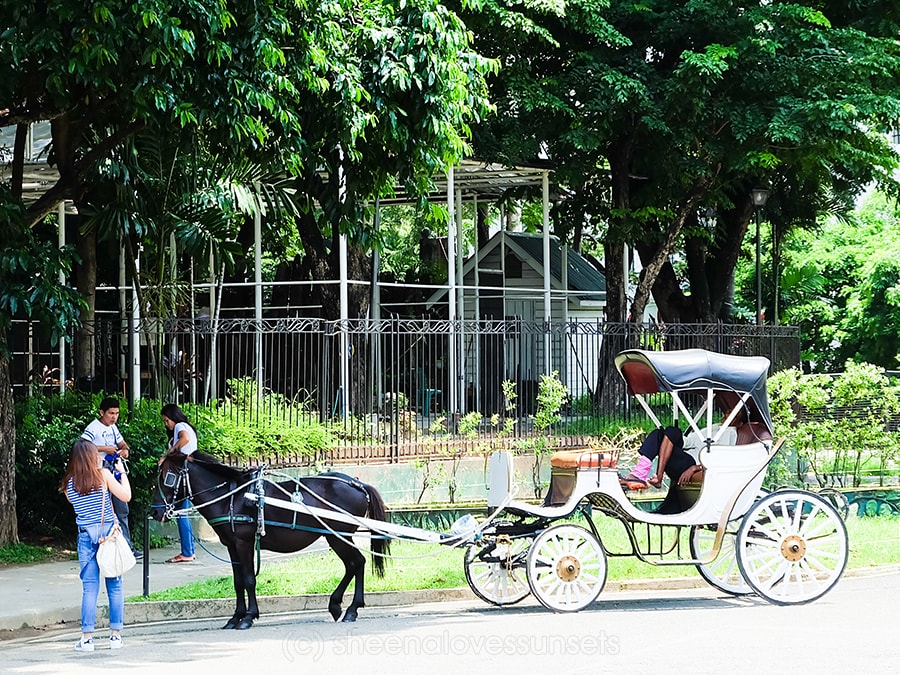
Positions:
(684, 370)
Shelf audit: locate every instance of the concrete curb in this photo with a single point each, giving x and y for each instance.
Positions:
(142, 612)
(180, 610)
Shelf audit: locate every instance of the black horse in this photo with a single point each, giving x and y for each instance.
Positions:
(218, 492)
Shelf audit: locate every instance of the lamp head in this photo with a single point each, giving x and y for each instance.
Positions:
(759, 196)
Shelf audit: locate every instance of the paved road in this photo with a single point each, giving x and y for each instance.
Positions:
(699, 631)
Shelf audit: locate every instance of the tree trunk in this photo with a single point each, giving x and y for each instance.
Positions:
(86, 282)
(9, 529)
(732, 229)
(481, 224)
(655, 264)
(18, 164)
(610, 390)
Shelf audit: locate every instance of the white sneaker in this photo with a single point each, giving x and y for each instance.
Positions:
(85, 645)
(115, 642)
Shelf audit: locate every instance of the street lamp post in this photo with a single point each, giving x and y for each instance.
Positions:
(759, 196)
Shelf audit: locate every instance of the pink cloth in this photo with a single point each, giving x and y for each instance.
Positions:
(641, 470)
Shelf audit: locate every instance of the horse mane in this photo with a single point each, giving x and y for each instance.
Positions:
(215, 465)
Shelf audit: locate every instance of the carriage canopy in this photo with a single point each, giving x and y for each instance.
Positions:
(685, 370)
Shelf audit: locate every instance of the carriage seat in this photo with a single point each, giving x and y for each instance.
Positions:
(752, 432)
(564, 465)
(581, 459)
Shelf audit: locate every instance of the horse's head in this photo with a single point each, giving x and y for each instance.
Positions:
(173, 486)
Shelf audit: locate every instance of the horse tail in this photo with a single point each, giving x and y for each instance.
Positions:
(381, 545)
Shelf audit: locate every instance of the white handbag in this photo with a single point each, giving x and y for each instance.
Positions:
(114, 555)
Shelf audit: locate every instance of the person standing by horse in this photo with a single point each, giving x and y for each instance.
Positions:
(88, 486)
(182, 439)
(104, 434)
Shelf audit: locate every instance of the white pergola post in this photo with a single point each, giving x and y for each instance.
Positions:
(344, 301)
(564, 273)
(213, 314)
(193, 338)
(459, 374)
(123, 313)
(545, 188)
(61, 234)
(451, 283)
(135, 375)
(257, 297)
(375, 362)
(477, 311)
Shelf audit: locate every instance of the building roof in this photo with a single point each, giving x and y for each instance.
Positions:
(582, 274)
(584, 279)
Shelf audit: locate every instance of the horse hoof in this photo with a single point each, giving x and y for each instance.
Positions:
(349, 618)
(232, 623)
(245, 624)
(335, 611)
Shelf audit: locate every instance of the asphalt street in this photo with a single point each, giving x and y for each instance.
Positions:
(851, 629)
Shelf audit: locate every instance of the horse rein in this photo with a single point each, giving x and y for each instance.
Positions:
(183, 475)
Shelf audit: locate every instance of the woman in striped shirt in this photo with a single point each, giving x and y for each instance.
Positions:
(87, 486)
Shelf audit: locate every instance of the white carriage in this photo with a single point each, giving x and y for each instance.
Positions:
(788, 546)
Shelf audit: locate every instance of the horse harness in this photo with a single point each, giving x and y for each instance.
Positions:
(256, 483)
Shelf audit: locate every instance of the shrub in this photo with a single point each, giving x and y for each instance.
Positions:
(48, 425)
(838, 427)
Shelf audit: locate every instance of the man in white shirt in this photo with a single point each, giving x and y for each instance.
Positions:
(104, 433)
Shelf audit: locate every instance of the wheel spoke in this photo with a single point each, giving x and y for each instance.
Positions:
(805, 559)
(566, 567)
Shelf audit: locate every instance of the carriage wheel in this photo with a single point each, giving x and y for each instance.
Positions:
(792, 547)
(496, 572)
(566, 568)
(723, 572)
(837, 499)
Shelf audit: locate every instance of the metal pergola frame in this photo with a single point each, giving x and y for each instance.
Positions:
(469, 180)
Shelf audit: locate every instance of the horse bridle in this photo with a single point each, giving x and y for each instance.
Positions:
(174, 479)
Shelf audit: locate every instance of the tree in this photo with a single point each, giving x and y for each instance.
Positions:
(30, 265)
(363, 90)
(846, 298)
(659, 115)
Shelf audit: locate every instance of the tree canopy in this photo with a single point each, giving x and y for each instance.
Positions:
(842, 287)
(346, 97)
(661, 117)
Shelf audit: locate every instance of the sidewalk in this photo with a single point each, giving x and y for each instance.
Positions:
(50, 593)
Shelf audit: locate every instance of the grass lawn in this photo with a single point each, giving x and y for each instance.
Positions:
(873, 542)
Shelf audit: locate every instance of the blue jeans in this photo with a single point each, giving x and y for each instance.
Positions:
(185, 531)
(90, 585)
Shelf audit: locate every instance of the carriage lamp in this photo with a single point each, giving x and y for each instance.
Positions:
(759, 196)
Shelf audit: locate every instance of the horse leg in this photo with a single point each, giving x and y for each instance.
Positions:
(355, 568)
(240, 607)
(248, 574)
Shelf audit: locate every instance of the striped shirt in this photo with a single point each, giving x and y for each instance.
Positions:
(88, 507)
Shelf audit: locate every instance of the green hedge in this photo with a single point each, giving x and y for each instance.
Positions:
(47, 426)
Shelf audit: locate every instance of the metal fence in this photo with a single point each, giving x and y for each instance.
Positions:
(395, 388)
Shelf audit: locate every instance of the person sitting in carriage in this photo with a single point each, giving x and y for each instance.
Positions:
(676, 455)
(667, 446)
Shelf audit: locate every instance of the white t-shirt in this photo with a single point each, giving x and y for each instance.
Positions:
(100, 434)
(191, 446)
(694, 442)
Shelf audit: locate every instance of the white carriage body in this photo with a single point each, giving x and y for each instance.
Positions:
(729, 470)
